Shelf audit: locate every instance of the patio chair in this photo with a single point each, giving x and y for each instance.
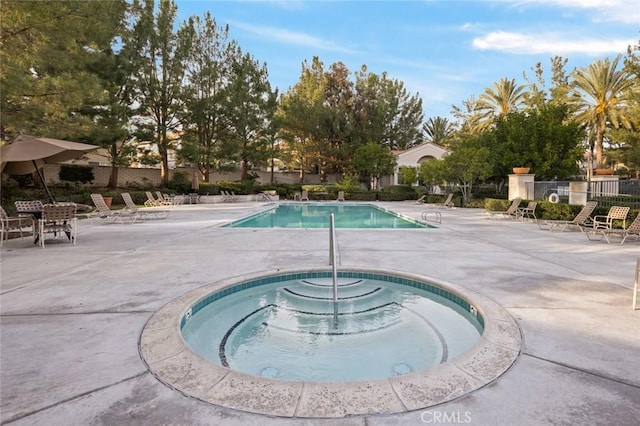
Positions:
(145, 213)
(340, 196)
(510, 212)
(14, 223)
(582, 219)
(104, 212)
(615, 213)
(448, 202)
(421, 199)
(151, 200)
(163, 200)
(28, 208)
(58, 219)
(528, 212)
(632, 231)
(304, 195)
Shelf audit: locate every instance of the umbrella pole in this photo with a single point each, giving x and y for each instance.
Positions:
(41, 176)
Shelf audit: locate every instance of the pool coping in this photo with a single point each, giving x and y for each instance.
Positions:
(172, 362)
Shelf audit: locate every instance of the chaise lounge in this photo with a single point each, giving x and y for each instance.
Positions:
(582, 219)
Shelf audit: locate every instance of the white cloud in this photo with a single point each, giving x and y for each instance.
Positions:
(521, 43)
(623, 11)
(292, 38)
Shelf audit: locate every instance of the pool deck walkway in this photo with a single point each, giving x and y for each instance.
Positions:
(71, 317)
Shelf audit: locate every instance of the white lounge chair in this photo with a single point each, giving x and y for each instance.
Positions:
(304, 195)
(340, 196)
(146, 213)
(104, 212)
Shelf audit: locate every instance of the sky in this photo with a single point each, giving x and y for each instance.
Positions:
(445, 51)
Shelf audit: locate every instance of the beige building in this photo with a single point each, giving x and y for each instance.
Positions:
(415, 156)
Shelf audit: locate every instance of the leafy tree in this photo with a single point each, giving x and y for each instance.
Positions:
(543, 139)
(251, 106)
(465, 166)
(47, 51)
(164, 53)
(111, 116)
(385, 112)
(601, 96)
(373, 161)
(300, 112)
(208, 70)
(408, 175)
(336, 122)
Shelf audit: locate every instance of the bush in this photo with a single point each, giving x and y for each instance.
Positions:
(496, 205)
(76, 173)
(397, 193)
(180, 183)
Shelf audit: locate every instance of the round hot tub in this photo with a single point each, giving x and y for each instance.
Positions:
(285, 344)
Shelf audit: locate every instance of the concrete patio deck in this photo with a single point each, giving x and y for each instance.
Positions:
(71, 317)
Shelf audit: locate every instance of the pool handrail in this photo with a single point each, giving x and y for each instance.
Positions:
(334, 268)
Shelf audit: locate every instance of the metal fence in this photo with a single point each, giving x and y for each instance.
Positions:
(607, 193)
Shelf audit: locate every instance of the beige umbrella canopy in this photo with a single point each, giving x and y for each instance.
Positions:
(27, 154)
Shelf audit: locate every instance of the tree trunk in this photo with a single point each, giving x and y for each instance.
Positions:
(113, 177)
(599, 142)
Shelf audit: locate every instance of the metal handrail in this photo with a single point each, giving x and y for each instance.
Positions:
(334, 269)
(635, 285)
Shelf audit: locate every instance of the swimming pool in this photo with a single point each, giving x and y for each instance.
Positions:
(316, 215)
(283, 327)
(168, 357)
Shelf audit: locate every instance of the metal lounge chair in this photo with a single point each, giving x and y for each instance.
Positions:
(632, 231)
(151, 200)
(528, 212)
(510, 212)
(58, 219)
(14, 223)
(145, 213)
(162, 200)
(582, 219)
(615, 213)
(104, 212)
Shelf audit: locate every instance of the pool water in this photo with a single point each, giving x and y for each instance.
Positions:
(316, 215)
(285, 329)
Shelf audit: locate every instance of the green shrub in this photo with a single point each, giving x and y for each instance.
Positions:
(76, 173)
(180, 182)
(556, 211)
(496, 205)
(363, 196)
(208, 188)
(397, 193)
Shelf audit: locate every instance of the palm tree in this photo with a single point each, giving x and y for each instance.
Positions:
(503, 98)
(602, 95)
(438, 130)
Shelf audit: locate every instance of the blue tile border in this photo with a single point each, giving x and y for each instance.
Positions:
(390, 278)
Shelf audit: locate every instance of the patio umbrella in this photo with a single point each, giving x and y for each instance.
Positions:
(27, 154)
